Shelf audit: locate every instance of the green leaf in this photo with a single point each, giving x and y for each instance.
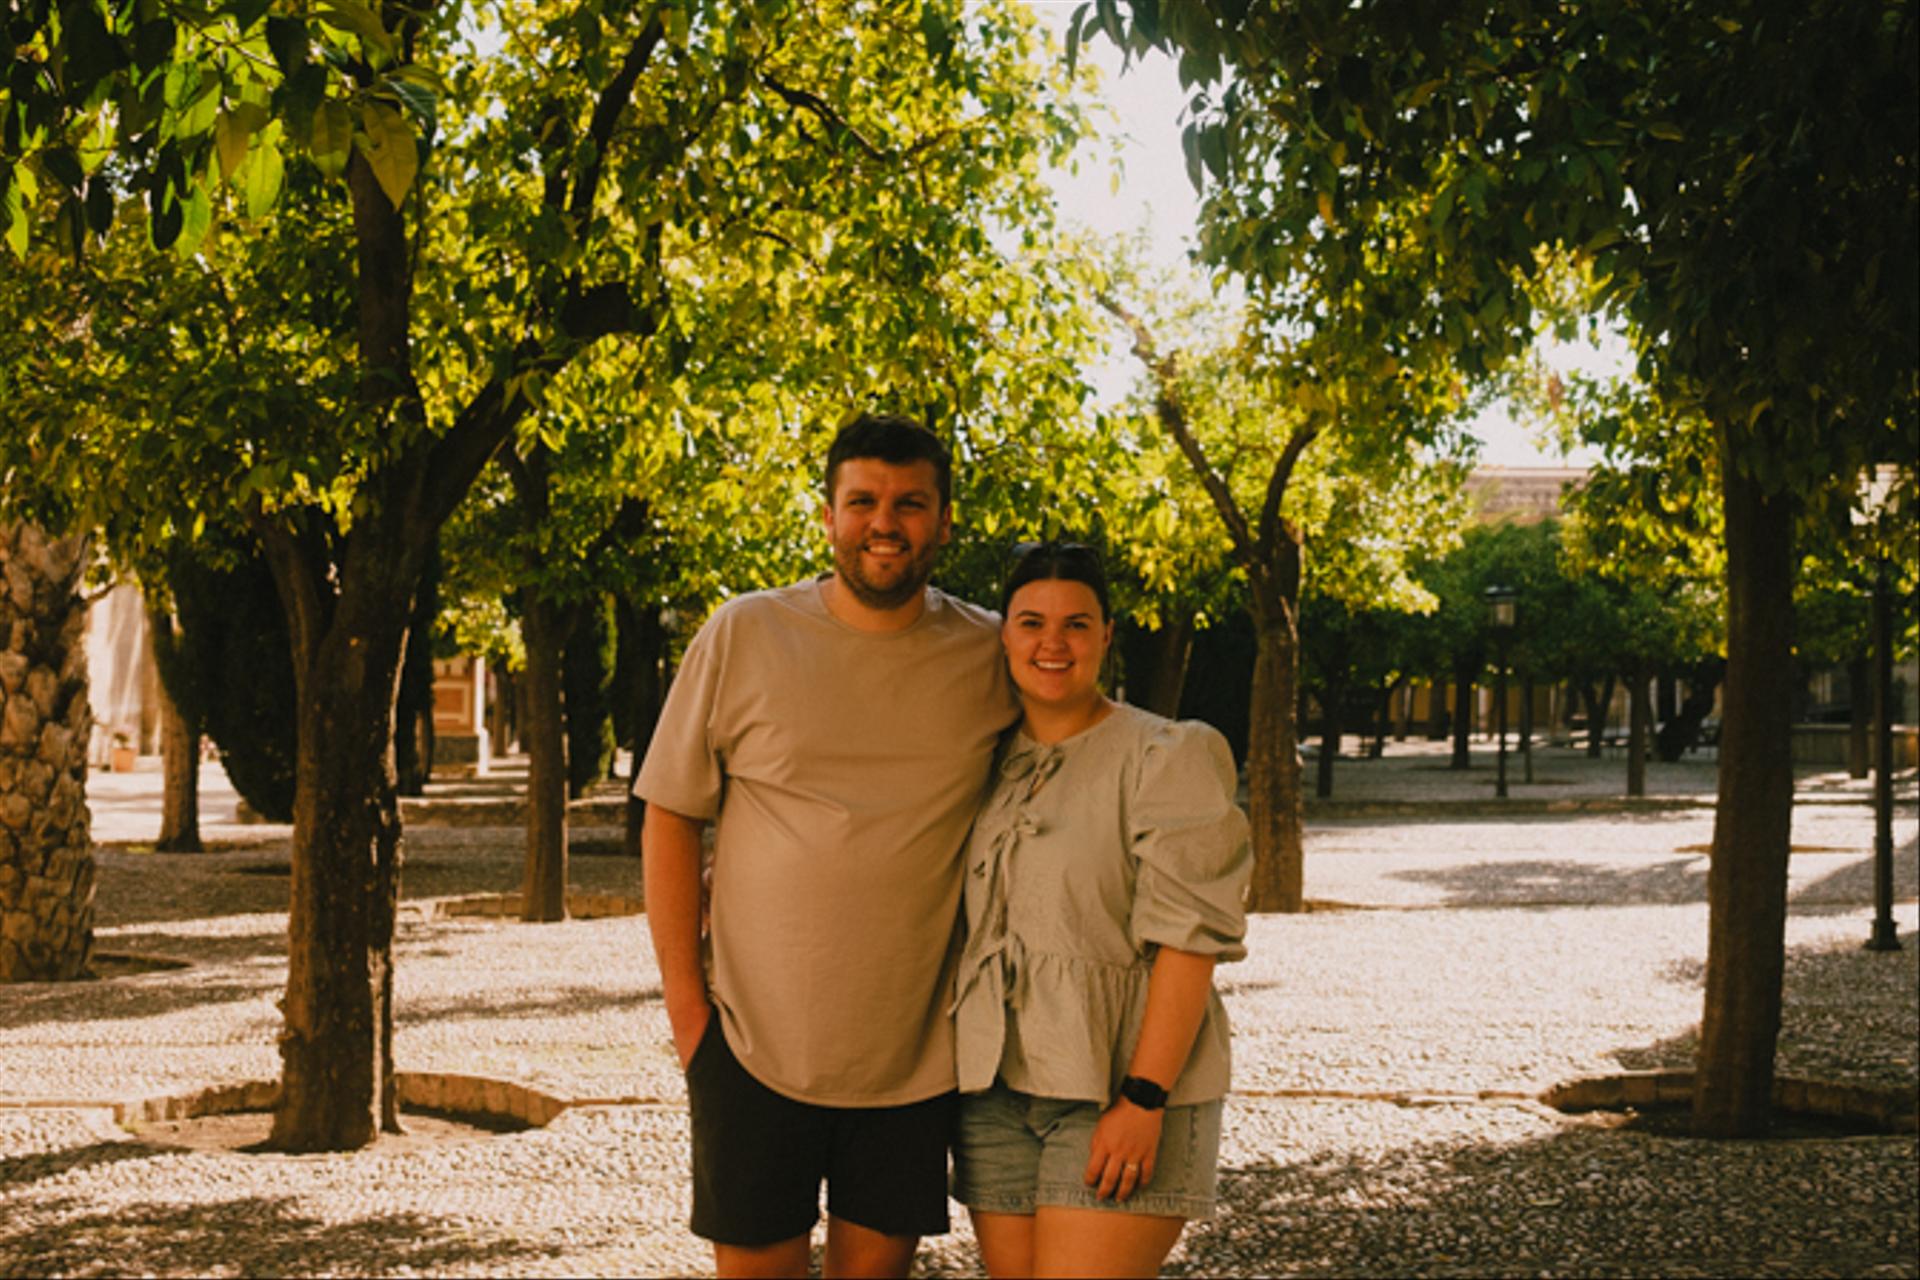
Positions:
(63, 166)
(419, 100)
(934, 30)
(287, 39)
(1213, 150)
(349, 15)
(332, 141)
(388, 146)
(260, 178)
(196, 218)
(16, 215)
(230, 135)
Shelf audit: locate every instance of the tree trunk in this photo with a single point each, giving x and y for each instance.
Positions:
(1597, 705)
(1526, 723)
(413, 712)
(347, 610)
(180, 768)
(1747, 880)
(1859, 717)
(1330, 727)
(1639, 728)
(1463, 678)
(642, 646)
(1679, 734)
(1404, 730)
(1168, 650)
(46, 856)
(1274, 801)
(544, 627)
(1437, 722)
(1383, 720)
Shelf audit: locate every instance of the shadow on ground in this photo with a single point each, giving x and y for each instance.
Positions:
(1570, 882)
(1871, 992)
(555, 1002)
(1564, 882)
(250, 1236)
(1576, 1201)
(1846, 888)
(150, 996)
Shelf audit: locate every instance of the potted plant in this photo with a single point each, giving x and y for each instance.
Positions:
(121, 757)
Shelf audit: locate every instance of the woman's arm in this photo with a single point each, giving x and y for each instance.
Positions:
(1127, 1137)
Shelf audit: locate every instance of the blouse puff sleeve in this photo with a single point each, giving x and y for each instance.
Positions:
(1192, 844)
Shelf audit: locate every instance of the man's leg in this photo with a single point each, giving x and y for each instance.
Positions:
(862, 1253)
(788, 1258)
(758, 1158)
(886, 1185)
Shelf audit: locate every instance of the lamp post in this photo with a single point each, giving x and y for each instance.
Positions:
(1876, 492)
(1500, 610)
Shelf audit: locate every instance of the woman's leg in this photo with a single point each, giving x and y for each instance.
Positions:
(1006, 1242)
(1100, 1242)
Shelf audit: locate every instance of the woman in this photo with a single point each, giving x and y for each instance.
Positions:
(1105, 877)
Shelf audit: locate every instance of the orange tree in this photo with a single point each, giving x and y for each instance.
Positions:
(1741, 175)
(407, 223)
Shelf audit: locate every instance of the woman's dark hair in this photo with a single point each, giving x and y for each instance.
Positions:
(1072, 561)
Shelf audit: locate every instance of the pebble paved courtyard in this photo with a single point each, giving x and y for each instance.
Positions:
(1388, 1048)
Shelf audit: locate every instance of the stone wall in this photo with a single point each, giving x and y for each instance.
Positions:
(46, 859)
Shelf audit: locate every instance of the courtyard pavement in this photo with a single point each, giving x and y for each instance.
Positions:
(1462, 956)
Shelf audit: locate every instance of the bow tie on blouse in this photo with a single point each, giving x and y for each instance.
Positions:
(990, 944)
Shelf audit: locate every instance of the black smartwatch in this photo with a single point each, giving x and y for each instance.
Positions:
(1143, 1093)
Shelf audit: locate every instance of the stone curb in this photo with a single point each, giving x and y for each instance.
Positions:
(496, 906)
(434, 1091)
(506, 811)
(1887, 1108)
(1528, 806)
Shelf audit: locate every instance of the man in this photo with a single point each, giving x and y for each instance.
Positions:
(838, 733)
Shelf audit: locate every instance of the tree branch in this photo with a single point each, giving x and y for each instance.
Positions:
(1277, 482)
(606, 114)
(1165, 374)
(805, 100)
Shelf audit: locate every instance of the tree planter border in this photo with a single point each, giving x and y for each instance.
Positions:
(1883, 1109)
(581, 905)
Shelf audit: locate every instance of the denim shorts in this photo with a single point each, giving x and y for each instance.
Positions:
(1013, 1152)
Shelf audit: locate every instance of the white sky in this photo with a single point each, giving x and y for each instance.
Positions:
(1154, 193)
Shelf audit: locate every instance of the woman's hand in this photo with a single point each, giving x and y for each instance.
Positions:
(1124, 1144)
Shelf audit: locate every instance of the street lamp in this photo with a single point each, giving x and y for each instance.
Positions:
(1876, 494)
(1500, 611)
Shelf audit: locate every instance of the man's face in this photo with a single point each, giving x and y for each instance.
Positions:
(887, 526)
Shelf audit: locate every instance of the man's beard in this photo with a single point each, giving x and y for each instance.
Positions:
(913, 577)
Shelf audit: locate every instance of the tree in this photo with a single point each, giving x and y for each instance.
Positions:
(506, 207)
(1261, 412)
(1743, 178)
(46, 857)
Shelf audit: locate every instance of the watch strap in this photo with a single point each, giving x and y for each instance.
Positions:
(1143, 1093)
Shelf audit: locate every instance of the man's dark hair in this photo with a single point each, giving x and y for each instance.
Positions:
(1072, 561)
(894, 439)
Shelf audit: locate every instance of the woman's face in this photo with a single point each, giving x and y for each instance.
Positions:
(1055, 638)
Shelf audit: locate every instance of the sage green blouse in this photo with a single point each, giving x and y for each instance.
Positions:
(1086, 857)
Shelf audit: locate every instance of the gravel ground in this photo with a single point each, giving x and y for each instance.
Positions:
(1480, 953)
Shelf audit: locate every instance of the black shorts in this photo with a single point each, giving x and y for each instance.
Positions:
(759, 1156)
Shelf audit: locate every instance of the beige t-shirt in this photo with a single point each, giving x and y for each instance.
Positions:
(843, 768)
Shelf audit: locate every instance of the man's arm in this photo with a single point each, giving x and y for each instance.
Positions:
(671, 865)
